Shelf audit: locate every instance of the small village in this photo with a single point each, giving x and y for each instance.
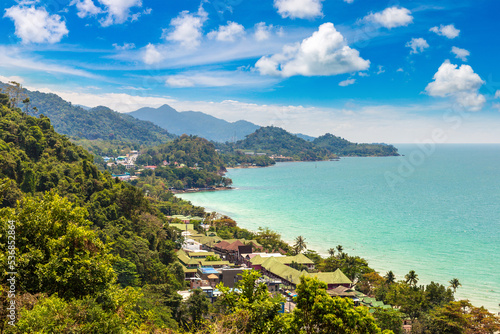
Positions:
(208, 260)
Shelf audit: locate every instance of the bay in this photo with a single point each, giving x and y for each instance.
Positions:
(435, 210)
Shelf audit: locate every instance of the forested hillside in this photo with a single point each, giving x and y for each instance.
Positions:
(96, 123)
(89, 247)
(276, 141)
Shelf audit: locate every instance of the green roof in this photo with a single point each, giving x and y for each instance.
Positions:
(301, 259)
(215, 263)
(276, 267)
(200, 254)
(282, 270)
(337, 277)
(186, 270)
(209, 241)
(182, 227)
(185, 259)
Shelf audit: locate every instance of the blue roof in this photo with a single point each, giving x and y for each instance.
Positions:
(208, 270)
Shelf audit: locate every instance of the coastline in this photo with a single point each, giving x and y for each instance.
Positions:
(441, 263)
(199, 190)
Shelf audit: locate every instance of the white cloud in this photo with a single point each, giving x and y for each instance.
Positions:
(125, 46)
(391, 17)
(86, 8)
(187, 28)
(460, 53)
(240, 77)
(324, 53)
(417, 45)
(151, 55)
(14, 78)
(179, 82)
(461, 83)
(497, 94)
(400, 70)
(13, 58)
(227, 33)
(301, 9)
(262, 31)
(448, 31)
(347, 82)
(349, 1)
(36, 25)
(118, 11)
(380, 69)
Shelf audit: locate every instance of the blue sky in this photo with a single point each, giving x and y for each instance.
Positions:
(370, 71)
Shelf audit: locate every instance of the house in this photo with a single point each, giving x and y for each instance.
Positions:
(274, 268)
(231, 276)
(299, 259)
(150, 167)
(122, 177)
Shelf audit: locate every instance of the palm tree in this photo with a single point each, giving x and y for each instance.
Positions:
(331, 251)
(300, 244)
(411, 278)
(454, 284)
(390, 277)
(340, 249)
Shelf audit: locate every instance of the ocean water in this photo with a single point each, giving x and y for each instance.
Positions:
(435, 210)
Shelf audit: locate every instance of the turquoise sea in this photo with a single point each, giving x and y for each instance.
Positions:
(435, 210)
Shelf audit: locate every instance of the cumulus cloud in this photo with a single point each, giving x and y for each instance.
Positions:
(347, 82)
(86, 8)
(448, 31)
(460, 53)
(497, 94)
(262, 31)
(36, 25)
(380, 69)
(152, 55)
(187, 28)
(417, 45)
(227, 33)
(461, 83)
(118, 11)
(391, 17)
(302, 9)
(324, 53)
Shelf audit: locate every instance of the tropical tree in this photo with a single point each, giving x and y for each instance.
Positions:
(198, 306)
(300, 244)
(454, 284)
(340, 249)
(331, 252)
(411, 278)
(390, 277)
(318, 313)
(462, 317)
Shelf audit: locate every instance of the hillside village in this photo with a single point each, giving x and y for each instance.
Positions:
(208, 260)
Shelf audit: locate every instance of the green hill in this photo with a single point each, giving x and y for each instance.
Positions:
(276, 141)
(345, 148)
(96, 123)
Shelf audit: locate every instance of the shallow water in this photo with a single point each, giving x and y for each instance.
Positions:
(435, 212)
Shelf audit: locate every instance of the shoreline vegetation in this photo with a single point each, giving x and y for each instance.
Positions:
(96, 254)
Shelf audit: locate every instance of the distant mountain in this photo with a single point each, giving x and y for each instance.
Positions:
(96, 123)
(305, 137)
(195, 123)
(276, 141)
